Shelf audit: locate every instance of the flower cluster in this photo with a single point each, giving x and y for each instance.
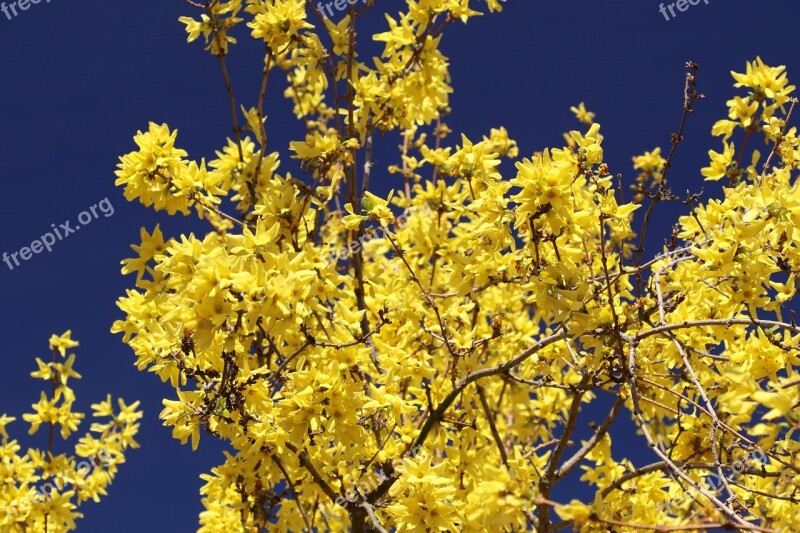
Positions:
(479, 328)
(42, 489)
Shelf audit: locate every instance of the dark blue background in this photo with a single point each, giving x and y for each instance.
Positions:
(80, 77)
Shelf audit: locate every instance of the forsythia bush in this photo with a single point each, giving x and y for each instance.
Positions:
(424, 361)
(41, 490)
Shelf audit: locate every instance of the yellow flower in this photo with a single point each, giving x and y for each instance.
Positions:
(765, 81)
(152, 245)
(720, 163)
(429, 368)
(4, 421)
(650, 162)
(587, 117)
(352, 221)
(63, 342)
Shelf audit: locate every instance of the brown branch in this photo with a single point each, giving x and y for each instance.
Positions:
(637, 412)
(495, 434)
(374, 519)
(306, 463)
(598, 435)
(661, 465)
(727, 322)
(226, 77)
(686, 527)
(547, 481)
(783, 132)
(690, 94)
(261, 95)
(439, 412)
(296, 496)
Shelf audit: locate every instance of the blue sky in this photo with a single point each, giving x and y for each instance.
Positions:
(81, 76)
